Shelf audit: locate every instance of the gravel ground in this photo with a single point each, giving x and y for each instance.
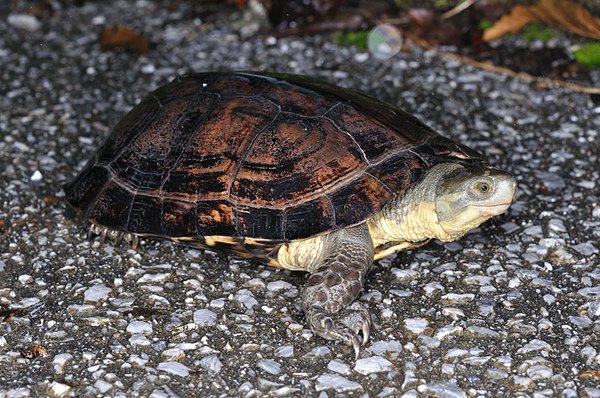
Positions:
(512, 309)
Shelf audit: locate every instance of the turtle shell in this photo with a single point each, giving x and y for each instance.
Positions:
(265, 156)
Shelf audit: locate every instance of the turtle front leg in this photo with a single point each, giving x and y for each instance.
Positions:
(329, 297)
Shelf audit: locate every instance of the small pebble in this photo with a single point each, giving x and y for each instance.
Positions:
(135, 327)
(174, 368)
(373, 364)
(96, 293)
(205, 317)
(24, 21)
(269, 366)
(338, 383)
(211, 363)
(339, 366)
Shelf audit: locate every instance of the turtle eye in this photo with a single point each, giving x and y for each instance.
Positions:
(483, 188)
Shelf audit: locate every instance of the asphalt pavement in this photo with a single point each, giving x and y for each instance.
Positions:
(511, 309)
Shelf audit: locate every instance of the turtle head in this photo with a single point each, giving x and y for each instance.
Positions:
(469, 195)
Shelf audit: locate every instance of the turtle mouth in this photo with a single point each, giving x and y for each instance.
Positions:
(493, 210)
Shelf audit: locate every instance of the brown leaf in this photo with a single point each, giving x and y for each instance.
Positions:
(519, 17)
(592, 374)
(50, 199)
(118, 36)
(34, 351)
(564, 14)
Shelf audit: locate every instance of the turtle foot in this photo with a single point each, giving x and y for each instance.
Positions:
(116, 237)
(344, 326)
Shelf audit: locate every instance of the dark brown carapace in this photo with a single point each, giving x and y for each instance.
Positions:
(265, 157)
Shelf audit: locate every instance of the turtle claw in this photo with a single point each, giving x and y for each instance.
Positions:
(345, 326)
(366, 331)
(357, 347)
(109, 235)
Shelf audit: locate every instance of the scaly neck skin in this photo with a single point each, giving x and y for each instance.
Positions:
(412, 217)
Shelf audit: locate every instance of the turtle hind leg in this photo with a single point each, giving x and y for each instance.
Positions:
(111, 235)
(329, 298)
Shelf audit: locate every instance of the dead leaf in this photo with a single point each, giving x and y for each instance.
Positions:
(50, 199)
(34, 351)
(592, 374)
(564, 14)
(118, 36)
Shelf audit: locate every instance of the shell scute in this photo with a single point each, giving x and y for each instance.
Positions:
(112, 206)
(216, 218)
(319, 211)
(178, 218)
(293, 160)
(83, 191)
(266, 223)
(146, 216)
(352, 201)
(297, 100)
(205, 167)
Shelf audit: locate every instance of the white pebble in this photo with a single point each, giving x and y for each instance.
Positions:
(374, 364)
(441, 390)
(580, 322)
(25, 279)
(269, 366)
(538, 372)
(405, 275)
(479, 331)
(173, 354)
(175, 368)
(139, 340)
(102, 386)
(535, 345)
(381, 347)
(135, 327)
(211, 363)
(60, 361)
(36, 176)
(586, 249)
(338, 366)
(338, 383)
(23, 21)
(279, 285)
(446, 331)
(416, 325)
(453, 298)
(96, 293)
(205, 317)
(59, 389)
(285, 351)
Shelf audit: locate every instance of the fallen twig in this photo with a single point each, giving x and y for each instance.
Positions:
(503, 70)
(458, 9)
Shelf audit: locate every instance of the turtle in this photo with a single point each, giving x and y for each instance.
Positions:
(290, 170)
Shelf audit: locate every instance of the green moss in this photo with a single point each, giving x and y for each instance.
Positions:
(538, 31)
(358, 39)
(588, 55)
(485, 24)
